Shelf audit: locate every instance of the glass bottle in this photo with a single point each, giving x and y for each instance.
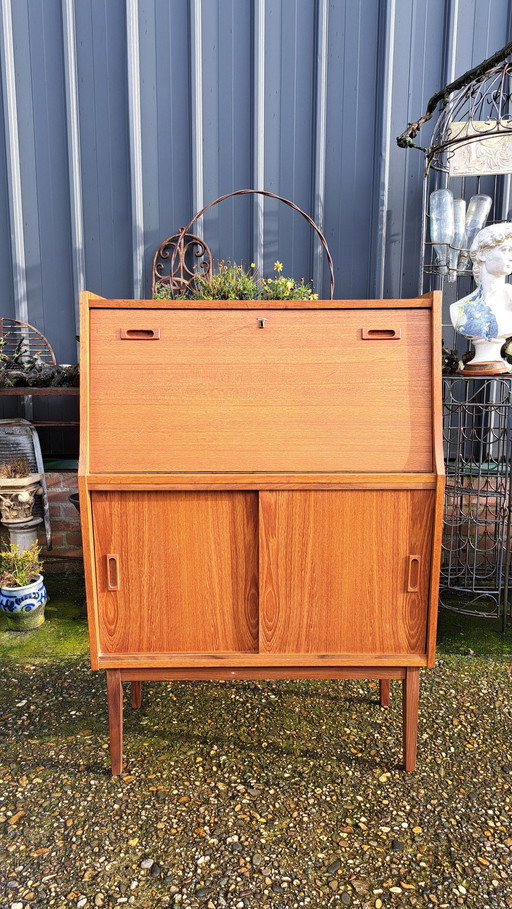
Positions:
(459, 237)
(441, 226)
(478, 210)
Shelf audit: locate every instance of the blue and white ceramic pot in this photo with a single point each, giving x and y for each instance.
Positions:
(24, 606)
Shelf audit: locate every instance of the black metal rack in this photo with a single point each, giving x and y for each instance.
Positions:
(475, 569)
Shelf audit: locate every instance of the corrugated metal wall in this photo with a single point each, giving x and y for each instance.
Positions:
(121, 118)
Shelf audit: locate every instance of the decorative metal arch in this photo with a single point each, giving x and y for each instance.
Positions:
(181, 244)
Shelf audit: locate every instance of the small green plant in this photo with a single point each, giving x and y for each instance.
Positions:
(15, 468)
(162, 291)
(229, 282)
(18, 567)
(281, 288)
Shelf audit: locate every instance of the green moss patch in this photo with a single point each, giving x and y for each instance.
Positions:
(470, 634)
(64, 632)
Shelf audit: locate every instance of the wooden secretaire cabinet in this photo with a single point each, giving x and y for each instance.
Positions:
(261, 491)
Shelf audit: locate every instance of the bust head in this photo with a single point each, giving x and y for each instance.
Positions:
(492, 247)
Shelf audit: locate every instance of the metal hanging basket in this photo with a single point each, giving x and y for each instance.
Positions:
(480, 110)
(182, 242)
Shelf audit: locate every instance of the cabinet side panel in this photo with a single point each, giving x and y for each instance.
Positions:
(89, 569)
(345, 572)
(182, 568)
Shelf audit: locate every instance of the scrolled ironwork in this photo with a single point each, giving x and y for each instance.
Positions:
(194, 258)
(483, 108)
(479, 101)
(469, 79)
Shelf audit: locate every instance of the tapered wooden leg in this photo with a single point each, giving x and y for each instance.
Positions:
(410, 699)
(136, 694)
(384, 692)
(115, 719)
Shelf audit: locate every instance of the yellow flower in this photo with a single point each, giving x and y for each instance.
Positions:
(314, 297)
(253, 265)
(278, 266)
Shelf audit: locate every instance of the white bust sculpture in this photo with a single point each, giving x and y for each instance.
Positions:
(485, 315)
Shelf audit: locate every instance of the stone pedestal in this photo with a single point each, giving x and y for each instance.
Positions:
(23, 535)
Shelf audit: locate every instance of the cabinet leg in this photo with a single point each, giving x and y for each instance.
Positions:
(410, 699)
(384, 685)
(136, 694)
(115, 719)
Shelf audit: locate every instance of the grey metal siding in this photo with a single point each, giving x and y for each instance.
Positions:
(119, 118)
(104, 138)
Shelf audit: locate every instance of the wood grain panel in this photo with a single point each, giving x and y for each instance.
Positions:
(304, 393)
(423, 302)
(410, 701)
(223, 337)
(188, 567)
(242, 480)
(91, 587)
(290, 672)
(265, 661)
(313, 598)
(437, 433)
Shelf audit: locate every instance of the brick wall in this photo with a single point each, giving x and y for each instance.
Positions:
(64, 518)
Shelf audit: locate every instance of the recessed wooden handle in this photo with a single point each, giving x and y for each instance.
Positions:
(413, 575)
(381, 334)
(140, 334)
(112, 571)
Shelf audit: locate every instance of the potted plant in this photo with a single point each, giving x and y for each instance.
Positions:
(22, 592)
(18, 489)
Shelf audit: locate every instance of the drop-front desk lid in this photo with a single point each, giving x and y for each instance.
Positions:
(260, 389)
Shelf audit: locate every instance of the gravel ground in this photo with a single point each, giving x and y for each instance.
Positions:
(242, 794)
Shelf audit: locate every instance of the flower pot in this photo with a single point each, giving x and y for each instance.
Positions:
(24, 606)
(17, 496)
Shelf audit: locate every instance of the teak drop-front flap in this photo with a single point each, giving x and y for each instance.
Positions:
(260, 390)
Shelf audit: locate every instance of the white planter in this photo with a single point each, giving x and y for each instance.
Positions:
(24, 606)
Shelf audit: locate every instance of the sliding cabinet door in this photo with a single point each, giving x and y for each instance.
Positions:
(344, 572)
(176, 571)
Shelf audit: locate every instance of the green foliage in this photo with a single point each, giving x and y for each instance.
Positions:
(162, 291)
(279, 288)
(233, 282)
(18, 567)
(229, 282)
